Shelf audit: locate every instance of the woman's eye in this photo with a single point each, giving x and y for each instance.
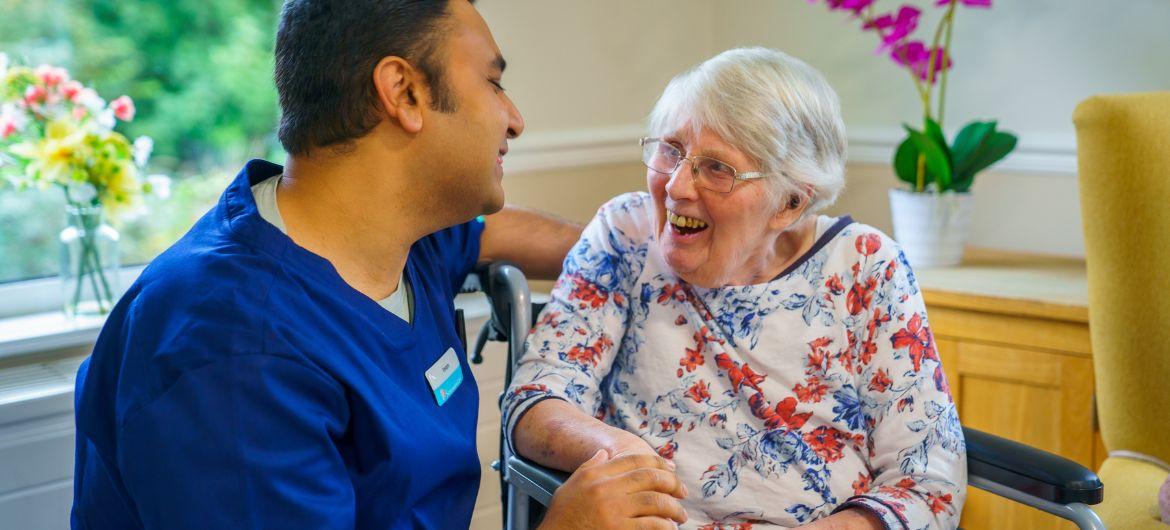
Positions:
(496, 84)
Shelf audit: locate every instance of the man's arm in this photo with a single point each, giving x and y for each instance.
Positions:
(535, 241)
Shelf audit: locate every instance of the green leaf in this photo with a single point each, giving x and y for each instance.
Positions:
(996, 146)
(938, 161)
(968, 142)
(906, 162)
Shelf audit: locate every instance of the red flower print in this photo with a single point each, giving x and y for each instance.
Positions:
(918, 338)
(940, 382)
(717, 419)
(834, 285)
(671, 291)
(669, 425)
(590, 294)
(739, 375)
(530, 388)
(667, 451)
(897, 493)
(812, 392)
(694, 356)
(699, 392)
(890, 269)
(860, 296)
(868, 349)
(680, 321)
(589, 355)
(880, 381)
(906, 403)
(907, 483)
(939, 503)
(862, 485)
(784, 415)
(692, 360)
(825, 442)
(867, 244)
(549, 319)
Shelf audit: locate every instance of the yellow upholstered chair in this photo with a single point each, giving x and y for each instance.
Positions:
(1123, 153)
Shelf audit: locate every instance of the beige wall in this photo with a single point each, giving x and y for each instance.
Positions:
(585, 74)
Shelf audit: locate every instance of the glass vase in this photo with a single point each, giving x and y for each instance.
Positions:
(89, 262)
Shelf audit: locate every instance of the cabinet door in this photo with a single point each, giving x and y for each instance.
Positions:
(1038, 398)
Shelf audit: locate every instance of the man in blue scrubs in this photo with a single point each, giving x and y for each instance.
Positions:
(293, 361)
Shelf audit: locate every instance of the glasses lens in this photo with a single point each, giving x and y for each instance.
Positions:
(715, 175)
(661, 156)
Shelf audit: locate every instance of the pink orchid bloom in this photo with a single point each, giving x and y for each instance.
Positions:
(51, 76)
(895, 28)
(915, 56)
(856, 6)
(123, 108)
(968, 3)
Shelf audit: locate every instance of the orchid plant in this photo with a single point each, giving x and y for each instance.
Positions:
(924, 159)
(57, 132)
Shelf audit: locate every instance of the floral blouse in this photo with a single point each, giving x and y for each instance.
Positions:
(780, 403)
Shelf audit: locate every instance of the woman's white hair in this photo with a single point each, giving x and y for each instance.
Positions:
(774, 108)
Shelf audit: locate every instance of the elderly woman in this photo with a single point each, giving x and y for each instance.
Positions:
(781, 359)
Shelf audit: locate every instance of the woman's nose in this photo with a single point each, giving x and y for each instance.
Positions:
(682, 182)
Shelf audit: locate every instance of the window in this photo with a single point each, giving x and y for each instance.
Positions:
(200, 73)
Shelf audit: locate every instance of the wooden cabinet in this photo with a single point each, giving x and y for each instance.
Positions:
(1013, 335)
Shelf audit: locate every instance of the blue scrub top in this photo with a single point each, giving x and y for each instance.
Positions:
(241, 383)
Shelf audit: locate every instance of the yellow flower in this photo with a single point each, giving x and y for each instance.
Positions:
(56, 157)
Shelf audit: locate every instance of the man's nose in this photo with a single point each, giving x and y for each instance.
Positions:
(515, 120)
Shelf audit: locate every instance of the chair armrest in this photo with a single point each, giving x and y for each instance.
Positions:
(1030, 470)
(534, 480)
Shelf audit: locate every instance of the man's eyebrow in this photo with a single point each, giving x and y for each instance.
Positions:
(499, 64)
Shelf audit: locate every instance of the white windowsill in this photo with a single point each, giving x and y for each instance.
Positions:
(41, 332)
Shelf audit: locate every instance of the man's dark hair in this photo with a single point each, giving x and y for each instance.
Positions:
(326, 51)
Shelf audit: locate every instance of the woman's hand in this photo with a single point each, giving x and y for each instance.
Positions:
(556, 434)
(630, 491)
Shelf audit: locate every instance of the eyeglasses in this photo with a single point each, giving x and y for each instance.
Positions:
(707, 172)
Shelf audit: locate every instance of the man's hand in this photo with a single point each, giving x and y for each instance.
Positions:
(630, 491)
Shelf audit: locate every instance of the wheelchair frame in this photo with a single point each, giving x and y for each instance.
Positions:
(1015, 471)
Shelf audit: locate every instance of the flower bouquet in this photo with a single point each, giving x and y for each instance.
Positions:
(57, 132)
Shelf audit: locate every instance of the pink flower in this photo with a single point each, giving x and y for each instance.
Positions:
(856, 6)
(894, 28)
(51, 76)
(71, 89)
(35, 94)
(7, 128)
(968, 3)
(914, 56)
(123, 108)
(79, 113)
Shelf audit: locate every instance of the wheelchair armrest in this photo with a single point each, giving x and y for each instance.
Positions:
(1030, 470)
(534, 480)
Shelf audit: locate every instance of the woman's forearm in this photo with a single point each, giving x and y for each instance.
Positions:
(556, 434)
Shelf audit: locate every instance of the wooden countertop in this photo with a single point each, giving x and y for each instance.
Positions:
(1001, 282)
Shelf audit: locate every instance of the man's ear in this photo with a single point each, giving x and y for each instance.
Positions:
(400, 91)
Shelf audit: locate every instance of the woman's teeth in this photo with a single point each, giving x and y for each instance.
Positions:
(683, 221)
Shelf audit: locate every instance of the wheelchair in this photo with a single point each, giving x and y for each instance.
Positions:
(1005, 468)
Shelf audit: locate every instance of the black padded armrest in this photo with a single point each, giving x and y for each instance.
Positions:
(535, 480)
(1030, 470)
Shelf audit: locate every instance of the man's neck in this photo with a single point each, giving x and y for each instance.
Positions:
(356, 212)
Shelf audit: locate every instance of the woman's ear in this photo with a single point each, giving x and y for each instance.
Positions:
(399, 88)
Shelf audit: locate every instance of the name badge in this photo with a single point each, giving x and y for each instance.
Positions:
(445, 376)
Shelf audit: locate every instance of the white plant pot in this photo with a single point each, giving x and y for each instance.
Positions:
(931, 227)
